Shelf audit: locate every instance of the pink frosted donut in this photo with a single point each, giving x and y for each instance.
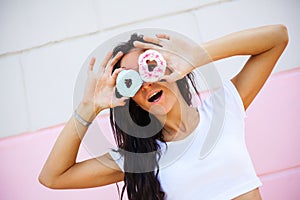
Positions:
(152, 65)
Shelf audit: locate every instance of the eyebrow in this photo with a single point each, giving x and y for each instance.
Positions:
(136, 67)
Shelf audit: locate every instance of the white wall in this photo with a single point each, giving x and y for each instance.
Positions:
(44, 43)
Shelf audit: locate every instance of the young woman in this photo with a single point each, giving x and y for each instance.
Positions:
(165, 108)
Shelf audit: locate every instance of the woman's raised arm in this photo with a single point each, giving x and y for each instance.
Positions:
(61, 169)
(263, 44)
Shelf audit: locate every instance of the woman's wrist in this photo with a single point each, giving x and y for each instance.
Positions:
(87, 111)
(201, 56)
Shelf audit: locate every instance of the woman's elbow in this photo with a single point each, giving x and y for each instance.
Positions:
(47, 181)
(282, 32)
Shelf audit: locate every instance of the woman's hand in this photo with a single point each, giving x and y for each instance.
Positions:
(182, 55)
(100, 87)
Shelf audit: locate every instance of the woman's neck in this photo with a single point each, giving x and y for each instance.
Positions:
(179, 122)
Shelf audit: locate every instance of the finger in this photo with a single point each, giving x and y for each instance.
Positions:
(92, 63)
(152, 40)
(163, 36)
(122, 101)
(104, 63)
(143, 45)
(106, 59)
(114, 61)
(118, 101)
(116, 73)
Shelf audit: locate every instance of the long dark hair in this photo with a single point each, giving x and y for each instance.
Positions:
(141, 172)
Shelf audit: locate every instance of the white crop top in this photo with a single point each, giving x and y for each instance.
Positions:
(225, 170)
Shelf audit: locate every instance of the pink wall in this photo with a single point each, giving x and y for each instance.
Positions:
(272, 137)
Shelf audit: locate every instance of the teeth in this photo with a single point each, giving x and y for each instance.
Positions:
(153, 94)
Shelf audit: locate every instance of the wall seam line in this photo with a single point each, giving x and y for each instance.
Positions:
(280, 172)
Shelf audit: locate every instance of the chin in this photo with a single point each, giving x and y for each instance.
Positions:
(159, 110)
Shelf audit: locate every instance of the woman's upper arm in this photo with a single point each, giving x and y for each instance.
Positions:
(258, 68)
(89, 173)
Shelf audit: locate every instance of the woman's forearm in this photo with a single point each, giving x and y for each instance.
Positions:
(64, 153)
(248, 42)
(264, 45)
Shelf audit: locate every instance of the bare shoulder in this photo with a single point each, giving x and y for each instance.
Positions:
(252, 195)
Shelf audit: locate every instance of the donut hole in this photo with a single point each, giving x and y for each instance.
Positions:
(151, 65)
(128, 83)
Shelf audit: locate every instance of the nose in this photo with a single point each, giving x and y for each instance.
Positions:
(146, 85)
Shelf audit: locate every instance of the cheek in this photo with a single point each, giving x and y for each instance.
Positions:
(138, 98)
(171, 90)
(170, 97)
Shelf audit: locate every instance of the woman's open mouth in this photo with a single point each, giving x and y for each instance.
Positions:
(155, 97)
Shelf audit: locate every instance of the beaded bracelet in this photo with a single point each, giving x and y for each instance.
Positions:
(81, 120)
